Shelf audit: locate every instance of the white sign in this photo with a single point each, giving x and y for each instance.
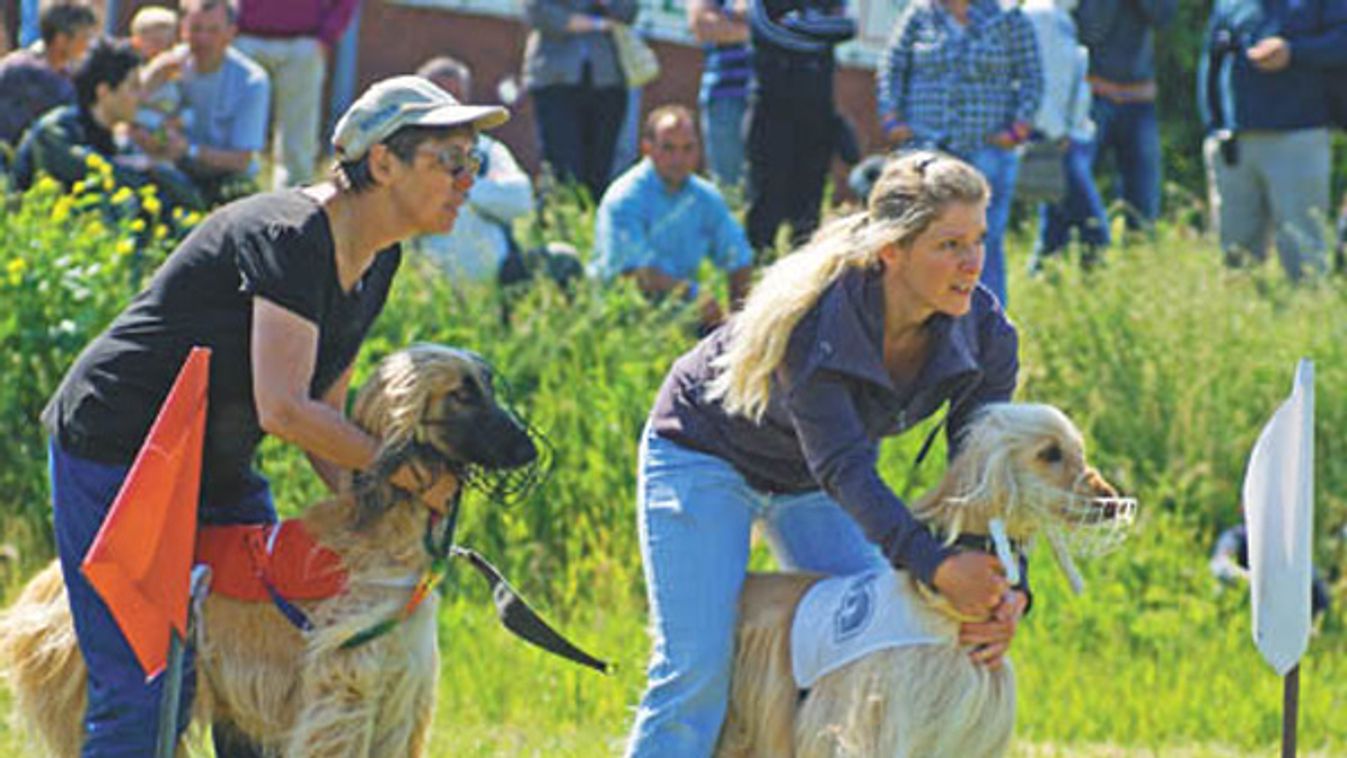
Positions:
(666, 20)
(1279, 514)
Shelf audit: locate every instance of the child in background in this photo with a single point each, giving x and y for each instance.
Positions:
(154, 29)
(1064, 117)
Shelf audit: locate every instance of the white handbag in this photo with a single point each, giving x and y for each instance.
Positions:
(639, 63)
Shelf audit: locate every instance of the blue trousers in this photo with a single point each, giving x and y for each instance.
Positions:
(1130, 132)
(1000, 167)
(694, 515)
(122, 717)
(1082, 209)
(723, 131)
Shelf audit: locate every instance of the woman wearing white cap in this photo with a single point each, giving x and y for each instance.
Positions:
(282, 287)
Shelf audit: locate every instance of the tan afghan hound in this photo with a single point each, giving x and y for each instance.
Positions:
(309, 693)
(1023, 467)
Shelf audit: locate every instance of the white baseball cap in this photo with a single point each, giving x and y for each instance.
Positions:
(399, 101)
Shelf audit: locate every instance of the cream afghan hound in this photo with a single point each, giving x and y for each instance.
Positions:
(311, 693)
(1021, 472)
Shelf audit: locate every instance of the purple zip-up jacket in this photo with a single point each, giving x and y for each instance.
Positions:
(832, 402)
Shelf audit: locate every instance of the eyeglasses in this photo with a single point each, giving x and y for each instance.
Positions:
(457, 161)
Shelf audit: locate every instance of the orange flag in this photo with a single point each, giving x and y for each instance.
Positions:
(141, 560)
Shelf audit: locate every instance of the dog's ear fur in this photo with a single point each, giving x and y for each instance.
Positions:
(980, 481)
(391, 406)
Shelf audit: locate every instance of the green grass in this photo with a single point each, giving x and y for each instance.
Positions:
(1169, 363)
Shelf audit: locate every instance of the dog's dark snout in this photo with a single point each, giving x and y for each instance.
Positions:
(521, 451)
(510, 444)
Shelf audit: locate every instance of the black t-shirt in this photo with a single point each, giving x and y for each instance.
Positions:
(275, 245)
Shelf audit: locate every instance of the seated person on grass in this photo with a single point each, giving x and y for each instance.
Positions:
(36, 79)
(659, 221)
(1230, 564)
(481, 240)
(224, 98)
(63, 141)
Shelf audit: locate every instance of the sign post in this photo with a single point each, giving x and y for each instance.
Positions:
(1279, 513)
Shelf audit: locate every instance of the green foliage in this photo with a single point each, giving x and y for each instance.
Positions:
(70, 263)
(1169, 363)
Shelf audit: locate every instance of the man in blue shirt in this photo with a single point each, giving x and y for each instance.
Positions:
(659, 221)
(224, 97)
(1262, 84)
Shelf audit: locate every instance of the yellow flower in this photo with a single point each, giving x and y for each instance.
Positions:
(122, 195)
(60, 211)
(160, 231)
(152, 205)
(125, 246)
(108, 184)
(177, 213)
(15, 269)
(137, 225)
(95, 229)
(46, 185)
(96, 162)
(149, 190)
(191, 219)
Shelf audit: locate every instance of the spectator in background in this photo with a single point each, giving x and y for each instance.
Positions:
(792, 126)
(36, 79)
(1064, 117)
(965, 77)
(721, 26)
(579, 92)
(63, 141)
(1261, 92)
(224, 97)
(154, 29)
(1230, 564)
(1120, 35)
(293, 40)
(481, 239)
(659, 220)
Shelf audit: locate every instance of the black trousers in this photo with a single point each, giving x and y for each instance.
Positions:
(790, 146)
(578, 126)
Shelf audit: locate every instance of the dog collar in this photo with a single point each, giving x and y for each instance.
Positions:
(983, 542)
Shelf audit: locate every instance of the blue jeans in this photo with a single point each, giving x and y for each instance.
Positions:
(723, 129)
(122, 716)
(627, 150)
(694, 514)
(1000, 167)
(1082, 209)
(1131, 133)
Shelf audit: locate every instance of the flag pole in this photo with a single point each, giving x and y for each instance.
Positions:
(1290, 710)
(171, 699)
(167, 743)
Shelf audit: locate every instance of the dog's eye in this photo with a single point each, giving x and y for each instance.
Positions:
(464, 395)
(1051, 454)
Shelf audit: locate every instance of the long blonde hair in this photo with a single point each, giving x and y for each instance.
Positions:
(913, 189)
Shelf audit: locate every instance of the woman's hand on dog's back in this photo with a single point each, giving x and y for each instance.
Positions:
(972, 581)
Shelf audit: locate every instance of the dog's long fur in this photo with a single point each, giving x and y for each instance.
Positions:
(299, 694)
(923, 701)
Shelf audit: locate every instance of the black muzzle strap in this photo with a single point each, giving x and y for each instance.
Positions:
(523, 621)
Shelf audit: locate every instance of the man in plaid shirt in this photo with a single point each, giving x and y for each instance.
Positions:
(964, 76)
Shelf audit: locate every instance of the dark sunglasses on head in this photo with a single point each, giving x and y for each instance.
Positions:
(457, 161)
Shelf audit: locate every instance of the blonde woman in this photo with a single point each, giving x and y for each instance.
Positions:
(859, 335)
